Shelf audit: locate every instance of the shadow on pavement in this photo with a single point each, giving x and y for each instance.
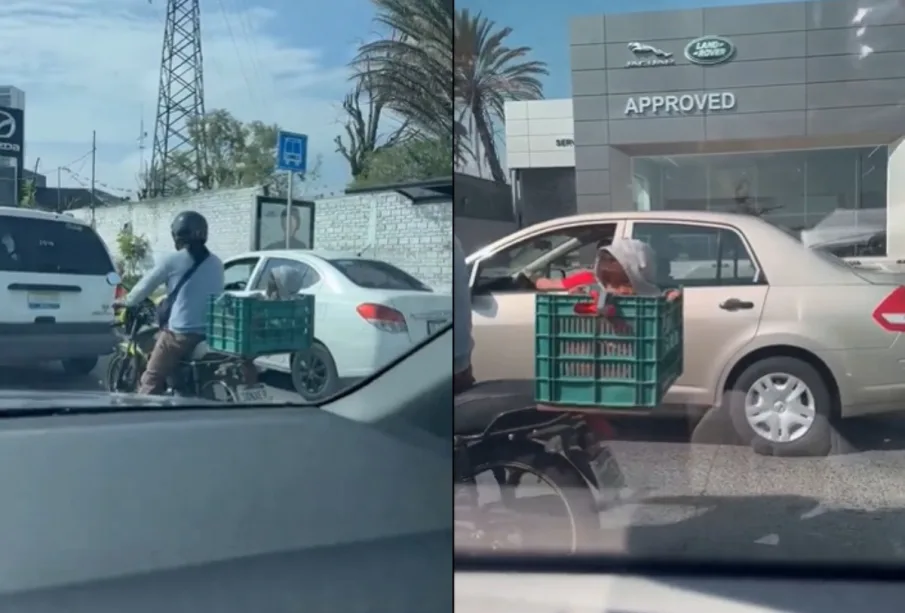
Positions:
(734, 529)
(744, 528)
(48, 377)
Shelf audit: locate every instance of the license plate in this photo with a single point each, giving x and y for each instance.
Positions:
(434, 325)
(253, 394)
(43, 301)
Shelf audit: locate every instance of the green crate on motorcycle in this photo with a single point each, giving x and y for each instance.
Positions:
(627, 359)
(251, 326)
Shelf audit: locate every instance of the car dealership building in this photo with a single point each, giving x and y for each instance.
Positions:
(791, 111)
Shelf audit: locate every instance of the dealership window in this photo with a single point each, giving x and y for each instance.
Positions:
(641, 192)
(835, 199)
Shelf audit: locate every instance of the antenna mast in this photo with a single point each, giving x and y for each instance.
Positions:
(180, 98)
(142, 135)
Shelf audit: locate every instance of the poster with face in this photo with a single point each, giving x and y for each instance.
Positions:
(273, 219)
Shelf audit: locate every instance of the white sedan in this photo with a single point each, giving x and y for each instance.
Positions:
(367, 312)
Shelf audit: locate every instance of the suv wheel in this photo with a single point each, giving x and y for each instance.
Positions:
(781, 406)
(79, 366)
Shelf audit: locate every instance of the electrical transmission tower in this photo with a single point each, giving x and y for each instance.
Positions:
(180, 99)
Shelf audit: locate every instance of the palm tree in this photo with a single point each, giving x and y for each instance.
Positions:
(487, 74)
(411, 69)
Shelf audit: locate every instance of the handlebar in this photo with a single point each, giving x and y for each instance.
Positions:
(133, 318)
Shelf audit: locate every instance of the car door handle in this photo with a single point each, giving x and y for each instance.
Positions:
(734, 304)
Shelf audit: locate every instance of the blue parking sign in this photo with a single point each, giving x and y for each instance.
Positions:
(292, 151)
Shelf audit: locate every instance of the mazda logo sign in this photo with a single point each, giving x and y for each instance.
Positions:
(7, 125)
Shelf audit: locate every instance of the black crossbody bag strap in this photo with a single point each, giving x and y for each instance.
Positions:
(163, 312)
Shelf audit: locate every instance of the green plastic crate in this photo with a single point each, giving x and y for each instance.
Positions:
(250, 326)
(584, 361)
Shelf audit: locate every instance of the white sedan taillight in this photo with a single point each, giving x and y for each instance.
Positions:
(383, 317)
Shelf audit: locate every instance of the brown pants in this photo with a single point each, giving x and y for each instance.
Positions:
(169, 349)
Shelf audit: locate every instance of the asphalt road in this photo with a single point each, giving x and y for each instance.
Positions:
(707, 500)
(695, 496)
(698, 497)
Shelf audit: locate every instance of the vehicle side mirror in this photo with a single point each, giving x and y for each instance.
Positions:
(235, 286)
(114, 279)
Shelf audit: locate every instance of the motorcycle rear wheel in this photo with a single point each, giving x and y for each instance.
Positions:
(218, 390)
(579, 529)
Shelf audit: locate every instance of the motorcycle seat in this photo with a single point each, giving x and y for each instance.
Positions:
(479, 406)
(200, 351)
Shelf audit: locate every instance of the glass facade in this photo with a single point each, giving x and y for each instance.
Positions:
(796, 190)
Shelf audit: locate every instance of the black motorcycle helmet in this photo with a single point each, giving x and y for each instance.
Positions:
(188, 228)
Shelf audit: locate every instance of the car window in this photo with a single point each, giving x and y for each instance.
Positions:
(697, 256)
(512, 259)
(375, 274)
(237, 273)
(46, 246)
(309, 275)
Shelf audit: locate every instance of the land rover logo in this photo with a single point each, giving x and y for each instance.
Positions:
(709, 50)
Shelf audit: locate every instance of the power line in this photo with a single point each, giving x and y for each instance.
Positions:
(82, 158)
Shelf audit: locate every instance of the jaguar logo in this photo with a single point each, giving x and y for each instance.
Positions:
(648, 55)
(645, 49)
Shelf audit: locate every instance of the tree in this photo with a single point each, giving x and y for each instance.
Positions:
(134, 250)
(410, 69)
(487, 74)
(27, 194)
(414, 160)
(362, 127)
(302, 184)
(233, 154)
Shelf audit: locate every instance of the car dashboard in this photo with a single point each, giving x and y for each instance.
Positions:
(502, 592)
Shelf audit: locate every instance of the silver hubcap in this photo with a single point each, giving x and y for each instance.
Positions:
(780, 408)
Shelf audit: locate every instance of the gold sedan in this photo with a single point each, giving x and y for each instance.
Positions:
(784, 338)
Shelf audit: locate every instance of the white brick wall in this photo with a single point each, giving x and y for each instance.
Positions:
(414, 237)
(229, 212)
(417, 238)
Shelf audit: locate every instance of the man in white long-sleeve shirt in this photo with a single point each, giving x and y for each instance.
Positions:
(462, 343)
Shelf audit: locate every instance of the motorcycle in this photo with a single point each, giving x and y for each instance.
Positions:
(211, 376)
(566, 452)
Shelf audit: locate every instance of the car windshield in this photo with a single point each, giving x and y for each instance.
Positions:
(698, 125)
(201, 163)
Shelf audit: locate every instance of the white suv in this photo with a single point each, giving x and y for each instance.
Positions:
(57, 284)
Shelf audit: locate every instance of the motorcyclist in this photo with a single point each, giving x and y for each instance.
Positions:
(462, 341)
(192, 274)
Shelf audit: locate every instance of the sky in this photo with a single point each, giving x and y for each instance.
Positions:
(94, 65)
(543, 26)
